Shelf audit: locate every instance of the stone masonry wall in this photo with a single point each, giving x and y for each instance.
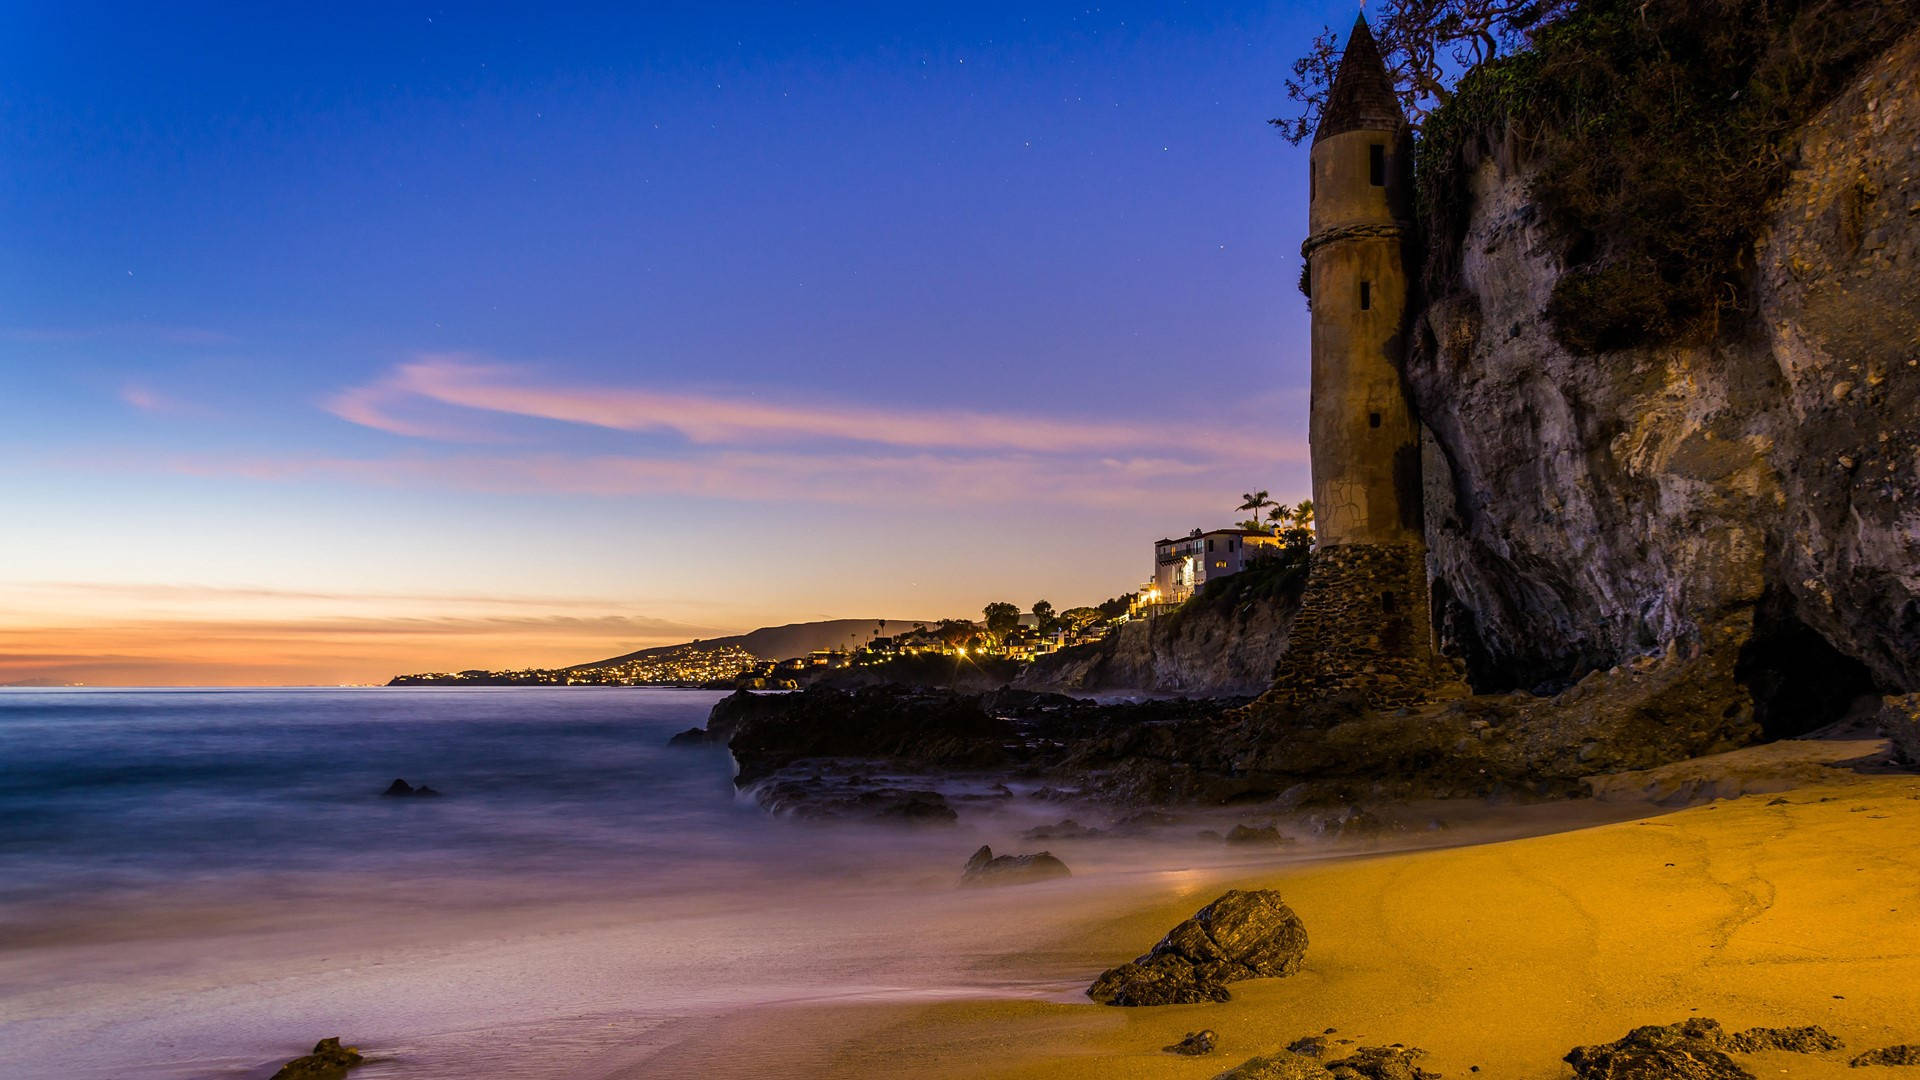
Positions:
(1364, 628)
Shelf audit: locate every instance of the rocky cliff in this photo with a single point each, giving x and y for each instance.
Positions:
(1761, 489)
(1224, 644)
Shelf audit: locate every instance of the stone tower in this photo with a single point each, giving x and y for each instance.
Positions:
(1364, 624)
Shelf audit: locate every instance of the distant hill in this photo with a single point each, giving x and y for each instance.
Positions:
(781, 642)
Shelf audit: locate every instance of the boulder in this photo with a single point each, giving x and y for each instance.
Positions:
(1064, 829)
(1900, 721)
(329, 1061)
(1241, 935)
(984, 868)
(1381, 1063)
(1889, 1055)
(1264, 836)
(1812, 1039)
(400, 789)
(1689, 1050)
(1280, 1066)
(1195, 1044)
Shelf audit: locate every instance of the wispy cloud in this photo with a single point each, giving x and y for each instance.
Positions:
(394, 403)
(847, 478)
(149, 400)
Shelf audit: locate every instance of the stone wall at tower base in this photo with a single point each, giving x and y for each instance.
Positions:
(1364, 629)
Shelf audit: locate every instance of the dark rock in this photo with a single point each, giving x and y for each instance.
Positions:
(1065, 829)
(906, 726)
(1811, 1039)
(1241, 935)
(1350, 821)
(1900, 721)
(1889, 1055)
(400, 789)
(1195, 1044)
(1689, 1050)
(985, 869)
(819, 798)
(1381, 1063)
(1312, 1046)
(1265, 836)
(693, 736)
(1167, 981)
(1281, 1066)
(329, 1061)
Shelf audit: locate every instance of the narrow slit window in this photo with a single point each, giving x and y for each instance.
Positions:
(1377, 165)
(1366, 295)
(1387, 602)
(1373, 419)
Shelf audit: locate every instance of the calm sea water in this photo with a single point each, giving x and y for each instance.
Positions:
(200, 883)
(104, 790)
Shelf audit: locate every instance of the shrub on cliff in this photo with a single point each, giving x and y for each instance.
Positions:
(1658, 131)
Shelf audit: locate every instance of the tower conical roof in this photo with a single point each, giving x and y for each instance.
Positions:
(1362, 95)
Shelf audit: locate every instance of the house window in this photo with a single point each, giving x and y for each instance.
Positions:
(1377, 165)
(1366, 295)
(1209, 543)
(1373, 419)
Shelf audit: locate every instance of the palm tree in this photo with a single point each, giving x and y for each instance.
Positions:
(1255, 502)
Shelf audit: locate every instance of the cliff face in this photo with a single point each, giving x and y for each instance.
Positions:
(1762, 490)
(1220, 652)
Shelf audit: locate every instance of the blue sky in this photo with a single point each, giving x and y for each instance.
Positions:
(397, 335)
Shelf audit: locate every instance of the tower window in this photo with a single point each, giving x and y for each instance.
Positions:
(1366, 295)
(1387, 602)
(1373, 419)
(1377, 165)
(1313, 182)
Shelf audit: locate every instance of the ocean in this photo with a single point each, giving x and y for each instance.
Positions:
(202, 883)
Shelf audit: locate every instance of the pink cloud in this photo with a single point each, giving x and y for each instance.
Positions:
(843, 478)
(715, 420)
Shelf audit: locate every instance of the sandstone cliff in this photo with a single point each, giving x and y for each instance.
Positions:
(1223, 645)
(1763, 489)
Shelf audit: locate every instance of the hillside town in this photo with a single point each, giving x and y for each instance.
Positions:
(1004, 633)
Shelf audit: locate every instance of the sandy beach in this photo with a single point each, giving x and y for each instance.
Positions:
(1797, 902)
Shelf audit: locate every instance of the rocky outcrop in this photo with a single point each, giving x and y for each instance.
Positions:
(1242, 935)
(1900, 722)
(1207, 650)
(400, 789)
(933, 728)
(1365, 1063)
(1760, 492)
(986, 868)
(1693, 1049)
(329, 1061)
(1888, 1055)
(1685, 1051)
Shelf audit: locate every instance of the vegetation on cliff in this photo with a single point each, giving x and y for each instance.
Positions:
(1658, 132)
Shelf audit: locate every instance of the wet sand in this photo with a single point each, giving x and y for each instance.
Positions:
(1503, 955)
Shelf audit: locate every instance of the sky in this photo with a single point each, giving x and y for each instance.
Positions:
(339, 341)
